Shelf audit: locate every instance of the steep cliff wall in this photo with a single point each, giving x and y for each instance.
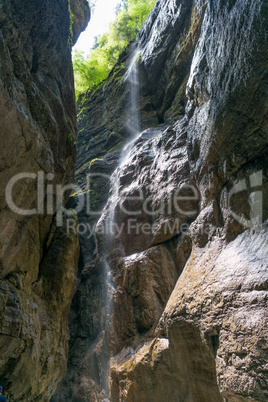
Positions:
(38, 132)
(172, 307)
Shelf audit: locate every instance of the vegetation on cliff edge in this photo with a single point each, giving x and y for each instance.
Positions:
(92, 70)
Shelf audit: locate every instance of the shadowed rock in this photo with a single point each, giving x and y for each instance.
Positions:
(38, 133)
(178, 314)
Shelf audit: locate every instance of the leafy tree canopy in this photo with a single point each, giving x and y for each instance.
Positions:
(90, 71)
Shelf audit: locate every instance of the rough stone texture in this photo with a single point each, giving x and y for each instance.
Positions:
(229, 307)
(174, 369)
(38, 132)
(177, 313)
(80, 15)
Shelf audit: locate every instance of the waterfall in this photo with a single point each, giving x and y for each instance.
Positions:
(132, 79)
(133, 128)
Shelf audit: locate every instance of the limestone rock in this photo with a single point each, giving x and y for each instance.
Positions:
(38, 132)
(80, 15)
(176, 368)
(177, 312)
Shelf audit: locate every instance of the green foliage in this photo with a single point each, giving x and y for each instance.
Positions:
(93, 161)
(71, 24)
(71, 139)
(91, 71)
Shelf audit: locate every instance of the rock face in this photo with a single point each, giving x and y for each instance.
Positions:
(38, 258)
(172, 306)
(80, 15)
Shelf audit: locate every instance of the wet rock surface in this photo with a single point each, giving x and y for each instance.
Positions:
(38, 132)
(173, 305)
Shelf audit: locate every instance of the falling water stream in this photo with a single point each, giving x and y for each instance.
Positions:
(133, 128)
(132, 78)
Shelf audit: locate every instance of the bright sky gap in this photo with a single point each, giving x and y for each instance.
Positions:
(103, 14)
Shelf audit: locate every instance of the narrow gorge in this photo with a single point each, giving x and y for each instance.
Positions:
(146, 281)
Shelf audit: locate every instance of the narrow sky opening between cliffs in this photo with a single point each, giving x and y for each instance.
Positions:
(103, 12)
(120, 22)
